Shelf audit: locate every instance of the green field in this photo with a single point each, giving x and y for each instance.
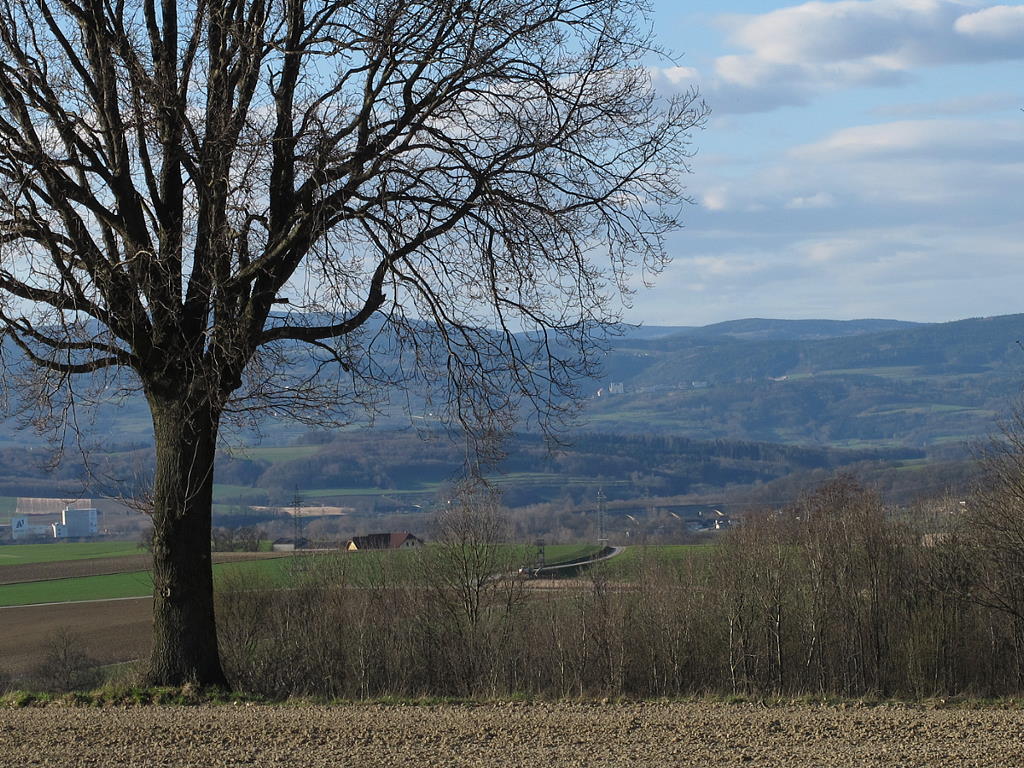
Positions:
(559, 553)
(21, 554)
(224, 494)
(351, 568)
(657, 557)
(277, 572)
(323, 493)
(226, 497)
(661, 553)
(929, 408)
(275, 453)
(231, 494)
(911, 465)
(889, 372)
(133, 584)
(521, 479)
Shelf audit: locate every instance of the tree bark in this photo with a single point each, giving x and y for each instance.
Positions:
(184, 628)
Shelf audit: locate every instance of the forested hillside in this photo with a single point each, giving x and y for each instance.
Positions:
(749, 409)
(626, 467)
(825, 382)
(765, 380)
(388, 469)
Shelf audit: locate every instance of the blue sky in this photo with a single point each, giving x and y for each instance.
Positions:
(865, 158)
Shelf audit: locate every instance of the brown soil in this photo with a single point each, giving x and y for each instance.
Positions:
(66, 569)
(99, 566)
(110, 631)
(528, 735)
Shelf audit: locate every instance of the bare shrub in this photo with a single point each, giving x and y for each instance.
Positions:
(279, 639)
(858, 574)
(978, 559)
(833, 595)
(474, 592)
(673, 637)
(819, 597)
(752, 568)
(67, 666)
(242, 539)
(990, 534)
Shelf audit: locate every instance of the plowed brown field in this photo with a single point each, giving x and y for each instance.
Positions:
(110, 631)
(99, 566)
(69, 569)
(528, 735)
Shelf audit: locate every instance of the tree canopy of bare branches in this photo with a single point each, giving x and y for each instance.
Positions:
(196, 192)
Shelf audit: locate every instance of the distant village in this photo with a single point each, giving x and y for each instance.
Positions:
(39, 520)
(620, 388)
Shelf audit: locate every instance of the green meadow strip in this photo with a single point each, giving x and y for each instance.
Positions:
(23, 554)
(131, 584)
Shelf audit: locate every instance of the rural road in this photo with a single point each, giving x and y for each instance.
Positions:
(548, 735)
(555, 569)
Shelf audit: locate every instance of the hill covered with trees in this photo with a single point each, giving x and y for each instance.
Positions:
(817, 382)
(854, 383)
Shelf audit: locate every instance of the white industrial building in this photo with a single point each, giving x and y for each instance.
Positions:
(74, 524)
(22, 529)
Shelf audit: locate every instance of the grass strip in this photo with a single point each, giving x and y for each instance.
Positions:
(131, 584)
(23, 554)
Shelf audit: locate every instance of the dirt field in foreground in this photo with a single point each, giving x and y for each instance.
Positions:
(533, 735)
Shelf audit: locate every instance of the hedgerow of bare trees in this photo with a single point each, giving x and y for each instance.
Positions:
(470, 576)
(989, 543)
(834, 595)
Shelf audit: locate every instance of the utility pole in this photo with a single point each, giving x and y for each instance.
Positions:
(297, 517)
(602, 536)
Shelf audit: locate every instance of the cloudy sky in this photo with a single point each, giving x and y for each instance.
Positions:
(865, 158)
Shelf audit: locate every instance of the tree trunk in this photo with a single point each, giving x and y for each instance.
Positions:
(184, 630)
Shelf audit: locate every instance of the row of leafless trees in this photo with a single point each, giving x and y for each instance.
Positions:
(834, 595)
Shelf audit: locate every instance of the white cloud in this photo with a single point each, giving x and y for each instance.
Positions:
(715, 199)
(1000, 22)
(792, 54)
(915, 216)
(719, 266)
(964, 105)
(817, 200)
(914, 219)
(876, 33)
(921, 272)
(676, 75)
(944, 171)
(942, 141)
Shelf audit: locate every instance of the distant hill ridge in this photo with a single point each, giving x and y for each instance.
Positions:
(818, 381)
(763, 328)
(744, 348)
(825, 382)
(757, 328)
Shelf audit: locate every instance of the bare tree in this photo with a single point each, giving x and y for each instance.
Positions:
(985, 547)
(471, 574)
(245, 204)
